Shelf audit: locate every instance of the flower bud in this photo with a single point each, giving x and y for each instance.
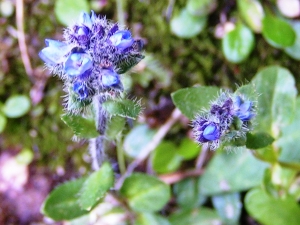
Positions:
(81, 90)
(109, 78)
(78, 63)
(121, 39)
(243, 109)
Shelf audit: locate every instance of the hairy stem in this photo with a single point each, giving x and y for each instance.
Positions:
(97, 145)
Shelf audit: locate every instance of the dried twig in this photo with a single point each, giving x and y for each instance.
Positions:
(21, 37)
(180, 175)
(160, 134)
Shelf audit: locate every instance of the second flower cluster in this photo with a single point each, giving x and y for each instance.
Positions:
(228, 118)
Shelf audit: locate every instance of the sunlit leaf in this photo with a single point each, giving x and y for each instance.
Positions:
(188, 149)
(228, 206)
(165, 158)
(203, 216)
(16, 106)
(238, 43)
(191, 101)
(278, 32)
(67, 12)
(145, 193)
(276, 103)
(272, 211)
(294, 50)
(252, 13)
(201, 7)
(240, 171)
(95, 186)
(62, 203)
(147, 218)
(185, 25)
(137, 139)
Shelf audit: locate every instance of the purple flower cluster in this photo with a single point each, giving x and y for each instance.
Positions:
(228, 117)
(91, 58)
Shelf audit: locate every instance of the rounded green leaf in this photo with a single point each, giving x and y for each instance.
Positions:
(278, 32)
(3, 122)
(114, 127)
(188, 149)
(272, 211)
(289, 141)
(190, 101)
(62, 203)
(165, 158)
(240, 171)
(238, 44)
(252, 13)
(137, 139)
(95, 186)
(203, 216)
(186, 25)
(147, 218)
(187, 194)
(68, 11)
(294, 50)
(228, 206)
(201, 7)
(145, 193)
(276, 103)
(16, 106)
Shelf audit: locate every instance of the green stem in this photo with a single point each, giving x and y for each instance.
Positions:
(120, 155)
(120, 11)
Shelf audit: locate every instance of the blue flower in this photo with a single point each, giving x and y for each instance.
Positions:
(109, 78)
(205, 130)
(81, 90)
(121, 39)
(244, 109)
(78, 63)
(86, 20)
(54, 52)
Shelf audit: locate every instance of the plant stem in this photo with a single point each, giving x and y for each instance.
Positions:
(120, 155)
(97, 145)
(120, 12)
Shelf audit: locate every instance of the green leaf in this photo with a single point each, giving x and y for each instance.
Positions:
(62, 203)
(145, 193)
(258, 140)
(190, 101)
(25, 157)
(289, 141)
(16, 106)
(137, 139)
(114, 127)
(123, 107)
(3, 122)
(187, 194)
(238, 44)
(272, 211)
(147, 218)
(229, 207)
(82, 127)
(165, 158)
(188, 149)
(278, 32)
(67, 12)
(200, 7)
(185, 25)
(294, 50)
(276, 103)
(240, 171)
(203, 216)
(95, 186)
(252, 13)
